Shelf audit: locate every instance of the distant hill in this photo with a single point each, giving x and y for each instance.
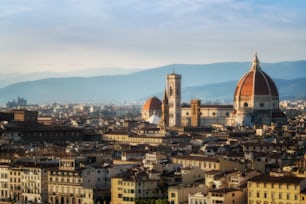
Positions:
(224, 92)
(211, 81)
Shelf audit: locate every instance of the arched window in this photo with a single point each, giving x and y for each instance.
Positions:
(245, 104)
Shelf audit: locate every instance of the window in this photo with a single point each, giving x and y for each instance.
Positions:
(172, 195)
(261, 104)
(245, 104)
(171, 91)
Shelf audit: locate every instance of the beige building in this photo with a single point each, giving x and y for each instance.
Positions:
(179, 194)
(190, 175)
(276, 190)
(4, 181)
(208, 163)
(15, 182)
(222, 196)
(197, 115)
(34, 183)
(65, 183)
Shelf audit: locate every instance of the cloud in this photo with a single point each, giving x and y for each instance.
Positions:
(8, 10)
(159, 31)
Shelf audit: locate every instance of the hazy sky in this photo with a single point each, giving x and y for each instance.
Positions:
(64, 35)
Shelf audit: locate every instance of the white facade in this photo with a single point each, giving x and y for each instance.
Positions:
(173, 90)
(209, 115)
(34, 184)
(4, 182)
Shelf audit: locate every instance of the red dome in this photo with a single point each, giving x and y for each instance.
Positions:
(152, 104)
(256, 82)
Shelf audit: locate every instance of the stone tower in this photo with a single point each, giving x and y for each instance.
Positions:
(173, 90)
(164, 122)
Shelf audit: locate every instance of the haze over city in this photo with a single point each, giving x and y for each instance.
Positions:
(69, 35)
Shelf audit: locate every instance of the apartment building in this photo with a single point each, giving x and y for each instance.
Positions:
(276, 190)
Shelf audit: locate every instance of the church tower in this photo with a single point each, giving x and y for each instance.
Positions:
(164, 122)
(173, 90)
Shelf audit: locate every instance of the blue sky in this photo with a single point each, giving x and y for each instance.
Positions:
(66, 35)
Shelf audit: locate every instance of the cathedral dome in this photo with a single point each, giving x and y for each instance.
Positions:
(256, 97)
(152, 104)
(256, 83)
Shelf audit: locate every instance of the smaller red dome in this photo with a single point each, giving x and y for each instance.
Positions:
(152, 104)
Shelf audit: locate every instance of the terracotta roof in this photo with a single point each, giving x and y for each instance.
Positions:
(256, 82)
(152, 104)
(274, 179)
(197, 158)
(224, 190)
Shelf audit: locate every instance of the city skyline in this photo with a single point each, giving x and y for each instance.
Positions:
(63, 36)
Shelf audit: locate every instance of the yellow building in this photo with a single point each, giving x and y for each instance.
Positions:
(276, 190)
(130, 187)
(156, 140)
(208, 163)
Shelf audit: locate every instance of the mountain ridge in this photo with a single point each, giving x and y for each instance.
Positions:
(198, 81)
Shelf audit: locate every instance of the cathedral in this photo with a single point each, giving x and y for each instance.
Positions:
(256, 102)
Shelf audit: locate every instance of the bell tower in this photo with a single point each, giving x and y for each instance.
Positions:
(173, 90)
